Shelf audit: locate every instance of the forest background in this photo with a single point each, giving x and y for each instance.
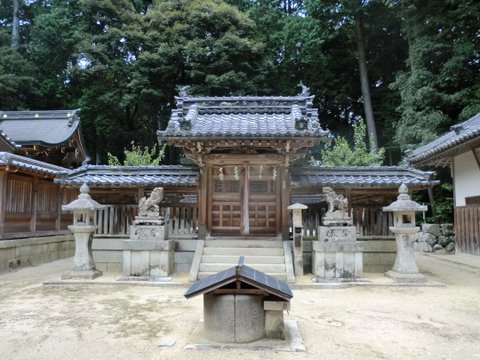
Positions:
(410, 68)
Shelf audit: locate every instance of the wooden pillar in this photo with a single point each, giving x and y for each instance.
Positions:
(244, 194)
(202, 203)
(33, 220)
(284, 174)
(58, 219)
(3, 199)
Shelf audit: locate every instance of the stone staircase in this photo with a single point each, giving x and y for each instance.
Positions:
(264, 255)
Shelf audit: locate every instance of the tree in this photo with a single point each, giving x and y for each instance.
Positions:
(138, 156)
(441, 85)
(15, 25)
(339, 152)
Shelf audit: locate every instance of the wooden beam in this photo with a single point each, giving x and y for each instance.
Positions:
(240, 291)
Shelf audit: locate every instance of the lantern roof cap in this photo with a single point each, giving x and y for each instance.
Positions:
(297, 206)
(83, 202)
(404, 203)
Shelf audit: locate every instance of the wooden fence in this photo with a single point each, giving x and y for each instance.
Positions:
(117, 219)
(371, 221)
(467, 229)
(183, 220)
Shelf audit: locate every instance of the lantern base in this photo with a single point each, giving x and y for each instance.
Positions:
(81, 275)
(406, 278)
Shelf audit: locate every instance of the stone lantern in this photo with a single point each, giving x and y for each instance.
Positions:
(83, 228)
(405, 268)
(297, 223)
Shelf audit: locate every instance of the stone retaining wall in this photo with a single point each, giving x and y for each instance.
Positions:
(34, 251)
(378, 256)
(435, 237)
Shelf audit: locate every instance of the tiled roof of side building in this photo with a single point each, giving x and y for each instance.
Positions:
(46, 128)
(10, 143)
(458, 135)
(359, 176)
(131, 176)
(243, 117)
(22, 162)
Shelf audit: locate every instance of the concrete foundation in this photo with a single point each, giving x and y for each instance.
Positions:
(233, 318)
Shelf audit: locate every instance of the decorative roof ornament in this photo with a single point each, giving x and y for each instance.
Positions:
(183, 91)
(305, 89)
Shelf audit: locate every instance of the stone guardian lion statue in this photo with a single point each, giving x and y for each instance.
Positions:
(149, 206)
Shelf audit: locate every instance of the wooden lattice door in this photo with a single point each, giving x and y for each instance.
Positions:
(227, 202)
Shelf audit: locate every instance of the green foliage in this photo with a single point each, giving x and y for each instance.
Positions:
(440, 87)
(340, 153)
(121, 61)
(138, 156)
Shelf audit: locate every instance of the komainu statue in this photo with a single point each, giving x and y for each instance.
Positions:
(148, 207)
(337, 212)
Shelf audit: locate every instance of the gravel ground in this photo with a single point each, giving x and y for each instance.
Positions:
(133, 322)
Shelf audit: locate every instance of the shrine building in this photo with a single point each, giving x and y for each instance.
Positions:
(244, 148)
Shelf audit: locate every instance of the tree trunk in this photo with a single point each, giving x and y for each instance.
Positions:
(15, 25)
(367, 100)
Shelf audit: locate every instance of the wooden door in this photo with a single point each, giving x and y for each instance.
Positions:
(262, 207)
(227, 202)
(226, 207)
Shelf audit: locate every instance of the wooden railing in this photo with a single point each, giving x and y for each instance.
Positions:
(372, 221)
(467, 229)
(182, 220)
(368, 221)
(117, 219)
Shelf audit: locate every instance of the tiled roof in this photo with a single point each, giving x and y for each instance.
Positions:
(131, 176)
(457, 135)
(22, 162)
(12, 144)
(358, 176)
(47, 128)
(243, 117)
(308, 199)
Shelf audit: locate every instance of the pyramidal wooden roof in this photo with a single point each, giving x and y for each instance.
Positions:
(243, 117)
(241, 274)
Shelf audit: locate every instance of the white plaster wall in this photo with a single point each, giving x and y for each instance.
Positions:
(466, 176)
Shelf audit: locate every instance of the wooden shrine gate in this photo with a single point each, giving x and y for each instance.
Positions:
(237, 188)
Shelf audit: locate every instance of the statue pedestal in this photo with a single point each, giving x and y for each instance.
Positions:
(147, 252)
(337, 254)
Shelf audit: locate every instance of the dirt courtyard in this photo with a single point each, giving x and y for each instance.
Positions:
(133, 322)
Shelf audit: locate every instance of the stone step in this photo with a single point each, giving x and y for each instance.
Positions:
(217, 267)
(279, 276)
(249, 259)
(243, 251)
(243, 243)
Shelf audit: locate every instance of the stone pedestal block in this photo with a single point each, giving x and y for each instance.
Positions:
(148, 258)
(337, 233)
(337, 259)
(151, 232)
(274, 319)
